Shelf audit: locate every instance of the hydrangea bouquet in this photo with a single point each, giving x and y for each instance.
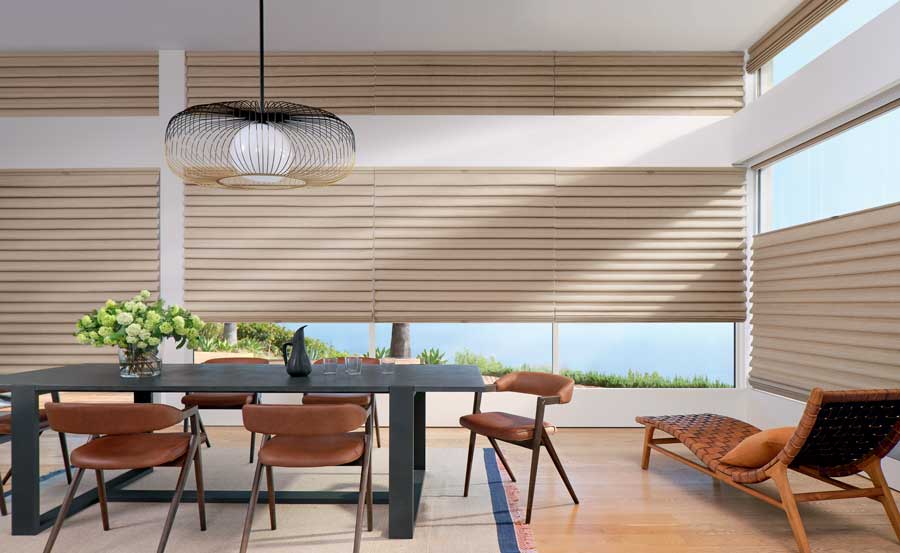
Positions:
(137, 328)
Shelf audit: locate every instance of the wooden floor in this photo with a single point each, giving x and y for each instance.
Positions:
(623, 509)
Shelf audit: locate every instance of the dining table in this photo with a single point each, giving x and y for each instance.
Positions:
(406, 386)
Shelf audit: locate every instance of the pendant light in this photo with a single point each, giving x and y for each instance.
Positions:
(259, 145)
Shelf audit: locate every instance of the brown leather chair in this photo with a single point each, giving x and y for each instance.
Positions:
(363, 400)
(6, 436)
(310, 436)
(551, 389)
(123, 438)
(205, 400)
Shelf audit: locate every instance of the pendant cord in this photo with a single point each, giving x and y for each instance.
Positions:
(262, 66)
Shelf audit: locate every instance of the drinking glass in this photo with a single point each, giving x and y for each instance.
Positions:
(329, 365)
(353, 366)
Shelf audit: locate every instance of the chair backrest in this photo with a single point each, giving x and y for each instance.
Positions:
(342, 360)
(237, 360)
(538, 384)
(843, 430)
(111, 418)
(303, 420)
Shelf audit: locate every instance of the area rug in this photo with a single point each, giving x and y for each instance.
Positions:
(490, 520)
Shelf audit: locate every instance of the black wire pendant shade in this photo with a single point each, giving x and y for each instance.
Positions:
(259, 145)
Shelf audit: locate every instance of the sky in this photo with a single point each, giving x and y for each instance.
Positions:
(855, 170)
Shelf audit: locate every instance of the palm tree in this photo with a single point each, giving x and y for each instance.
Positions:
(400, 340)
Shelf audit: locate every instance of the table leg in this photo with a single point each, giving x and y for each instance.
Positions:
(26, 500)
(143, 397)
(419, 438)
(401, 523)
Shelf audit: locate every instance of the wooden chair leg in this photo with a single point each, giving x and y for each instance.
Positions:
(369, 499)
(559, 467)
(645, 455)
(535, 456)
(502, 459)
(64, 450)
(101, 495)
(887, 499)
(3, 511)
(176, 498)
(270, 487)
(363, 493)
(184, 426)
(252, 445)
(375, 417)
(254, 497)
(201, 490)
(778, 474)
(203, 430)
(63, 510)
(469, 463)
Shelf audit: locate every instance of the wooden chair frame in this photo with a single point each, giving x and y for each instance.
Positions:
(364, 503)
(64, 451)
(193, 455)
(790, 458)
(541, 438)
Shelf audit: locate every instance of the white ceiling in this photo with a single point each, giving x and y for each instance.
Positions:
(334, 25)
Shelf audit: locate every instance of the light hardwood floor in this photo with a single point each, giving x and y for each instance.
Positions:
(623, 509)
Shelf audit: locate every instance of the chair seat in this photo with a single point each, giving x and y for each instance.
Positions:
(504, 426)
(217, 401)
(709, 437)
(312, 451)
(336, 399)
(6, 422)
(132, 451)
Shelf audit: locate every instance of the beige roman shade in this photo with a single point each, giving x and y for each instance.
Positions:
(464, 245)
(55, 84)
(69, 240)
(280, 256)
(826, 304)
(539, 83)
(660, 245)
(803, 18)
(473, 244)
(641, 83)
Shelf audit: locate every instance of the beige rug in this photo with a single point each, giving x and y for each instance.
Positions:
(488, 521)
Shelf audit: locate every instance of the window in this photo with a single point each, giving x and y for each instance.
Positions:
(334, 339)
(854, 170)
(641, 355)
(495, 347)
(831, 30)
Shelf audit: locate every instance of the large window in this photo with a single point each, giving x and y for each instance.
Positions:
(855, 170)
(831, 30)
(495, 347)
(649, 354)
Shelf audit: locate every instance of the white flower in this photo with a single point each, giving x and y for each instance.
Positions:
(124, 318)
(104, 331)
(133, 330)
(83, 338)
(144, 295)
(142, 345)
(153, 341)
(86, 320)
(131, 339)
(178, 321)
(128, 305)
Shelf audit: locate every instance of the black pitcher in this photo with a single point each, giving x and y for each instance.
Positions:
(298, 363)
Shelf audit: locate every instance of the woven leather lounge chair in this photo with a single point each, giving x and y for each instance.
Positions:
(123, 437)
(298, 436)
(6, 436)
(363, 400)
(841, 433)
(207, 400)
(521, 431)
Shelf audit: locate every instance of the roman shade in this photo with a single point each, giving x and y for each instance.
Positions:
(69, 240)
(650, 245)
(287, 255)
(803, 18)
(826, 304)
(55, 84)
(539, 83)
(473, 244)
(464, 245)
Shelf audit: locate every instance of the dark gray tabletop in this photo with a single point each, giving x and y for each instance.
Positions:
(253, 378)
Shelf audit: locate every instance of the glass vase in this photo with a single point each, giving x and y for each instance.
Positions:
(139, 363)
